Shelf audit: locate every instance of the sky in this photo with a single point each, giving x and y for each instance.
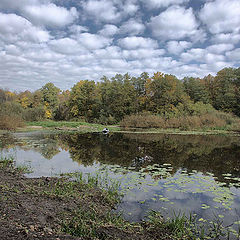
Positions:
(65, 41)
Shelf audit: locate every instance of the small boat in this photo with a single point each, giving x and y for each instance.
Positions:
(105, 131)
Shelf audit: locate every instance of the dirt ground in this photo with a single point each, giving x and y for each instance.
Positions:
(26, 215)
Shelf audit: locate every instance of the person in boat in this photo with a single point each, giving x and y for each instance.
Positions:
(105, 131)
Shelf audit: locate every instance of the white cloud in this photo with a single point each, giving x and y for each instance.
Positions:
(130, 7)
(174, 23)
(14, 28)
(94, 41)
(66, 46)
(113, 52)
(234, 55)
(202, 56)
(142, 53)
(152, 4)
(132, 27)
(77, 29)
(50, 15)
(16, 4)
(175, 47)
(43, 55)
(109, 30)
(221, 16)
(137, 42)
(220, 48)
(226, 38)
(12, 50)
(102, 10)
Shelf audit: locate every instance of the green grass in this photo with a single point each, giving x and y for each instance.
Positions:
(6, 162)
(187, 227)
(89, 127)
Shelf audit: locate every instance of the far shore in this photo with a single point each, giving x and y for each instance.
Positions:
(83, 127)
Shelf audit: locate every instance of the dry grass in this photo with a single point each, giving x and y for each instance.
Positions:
(213, 120)
(10, 122)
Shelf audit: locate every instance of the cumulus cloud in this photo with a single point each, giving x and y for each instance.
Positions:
(152, 4)
(109, 30)
(112, 52)
(50, 15)
(221, 16)
(142, 53)
(175, 47)
(102, 10)
(45, 40)
(202, 56)
(234, 55)
(14, 28)
(94, 41)
(109, 11)
(66, 46)
(130, 7)
(226, 38)
(132, 27)
(137, 42)
(220, 48)
(174, 23)
(16, 5)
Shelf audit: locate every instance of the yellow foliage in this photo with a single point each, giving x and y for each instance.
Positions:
(48, 114)
(24, 101)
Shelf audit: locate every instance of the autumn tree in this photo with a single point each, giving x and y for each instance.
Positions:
(50, 98)
(165, 93)
(82, 100)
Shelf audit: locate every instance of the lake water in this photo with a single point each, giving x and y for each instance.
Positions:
(168, 173)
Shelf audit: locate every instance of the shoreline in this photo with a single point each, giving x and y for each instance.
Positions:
(66, 209)
(117, 129)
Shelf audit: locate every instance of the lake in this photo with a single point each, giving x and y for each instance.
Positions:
(167, 173)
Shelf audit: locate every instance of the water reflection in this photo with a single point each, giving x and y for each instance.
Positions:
(162, 172)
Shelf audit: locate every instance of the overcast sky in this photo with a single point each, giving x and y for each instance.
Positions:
(64, 41)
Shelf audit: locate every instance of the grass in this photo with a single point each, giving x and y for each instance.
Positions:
(206, 122)
(82, 126)
(187, 227)
(8, 162)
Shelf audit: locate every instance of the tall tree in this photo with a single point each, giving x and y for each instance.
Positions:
(196, 90)
(50, 98)
(165, 93)
(83, 99)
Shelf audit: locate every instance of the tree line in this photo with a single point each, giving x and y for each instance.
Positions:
(111, 99)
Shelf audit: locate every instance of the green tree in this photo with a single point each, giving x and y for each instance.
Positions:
(225, 94)
(117, 97)
(196, 90)
(82, 100)
(50, 99)
(165, 93)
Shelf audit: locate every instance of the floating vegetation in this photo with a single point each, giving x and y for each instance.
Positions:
(154, 184)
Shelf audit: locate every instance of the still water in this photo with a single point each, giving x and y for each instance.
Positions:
(168, 173)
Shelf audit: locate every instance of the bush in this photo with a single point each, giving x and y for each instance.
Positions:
(211, 120)
(10, 122)
(34, 114)
(143, 120)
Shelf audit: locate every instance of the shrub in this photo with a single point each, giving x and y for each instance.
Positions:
(34, 114)
(143, 120)
(10, 122)
(213, 119)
